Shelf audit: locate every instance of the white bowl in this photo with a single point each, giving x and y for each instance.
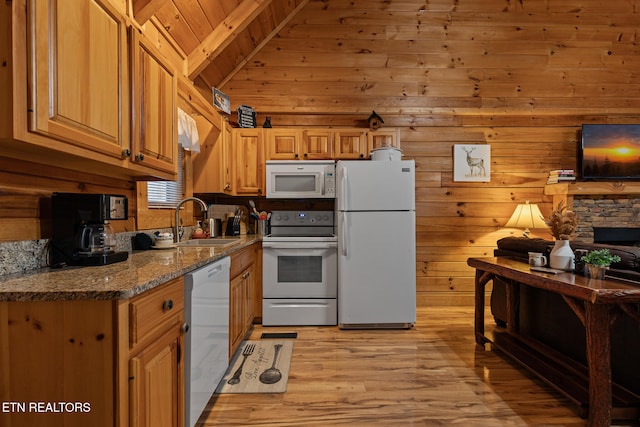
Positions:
(389, 154)
(164, 241)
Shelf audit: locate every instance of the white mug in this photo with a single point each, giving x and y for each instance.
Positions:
(536, 259)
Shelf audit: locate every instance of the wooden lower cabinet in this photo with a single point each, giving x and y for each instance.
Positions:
(156, 384)
(244, 292)
(156, 365)
(93, 363)
(57, 364)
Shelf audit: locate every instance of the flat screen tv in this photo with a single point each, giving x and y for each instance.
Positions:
(610, 152)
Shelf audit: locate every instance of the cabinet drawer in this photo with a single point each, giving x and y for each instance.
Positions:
(243, 259)
(153, 312)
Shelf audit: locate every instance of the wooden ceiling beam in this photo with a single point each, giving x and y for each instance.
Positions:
(266, 40)
(143, 10)
(224, 34)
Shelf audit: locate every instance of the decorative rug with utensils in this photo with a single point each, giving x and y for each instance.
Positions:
(259, 366)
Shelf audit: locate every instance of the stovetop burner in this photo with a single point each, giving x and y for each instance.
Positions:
(301, 224)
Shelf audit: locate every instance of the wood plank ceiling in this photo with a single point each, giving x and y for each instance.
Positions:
(218, 37)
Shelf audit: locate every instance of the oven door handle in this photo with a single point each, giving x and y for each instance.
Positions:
(299, 245)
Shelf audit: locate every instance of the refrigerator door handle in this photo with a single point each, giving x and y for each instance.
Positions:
(343, 183)
(343, 234)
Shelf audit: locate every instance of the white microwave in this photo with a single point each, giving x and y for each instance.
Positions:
(301, 179)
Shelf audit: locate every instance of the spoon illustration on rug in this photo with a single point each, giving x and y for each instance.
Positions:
(272, 375)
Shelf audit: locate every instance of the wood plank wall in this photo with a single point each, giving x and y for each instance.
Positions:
(25, 197)
(522, 76)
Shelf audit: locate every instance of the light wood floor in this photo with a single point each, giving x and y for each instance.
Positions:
(431, 375)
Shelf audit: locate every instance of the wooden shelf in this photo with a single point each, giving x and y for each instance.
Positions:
(566, 191)
(596, 188)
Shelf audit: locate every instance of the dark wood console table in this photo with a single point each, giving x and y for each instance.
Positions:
(595, 302)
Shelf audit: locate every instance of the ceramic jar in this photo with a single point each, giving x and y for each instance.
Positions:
(561, 256)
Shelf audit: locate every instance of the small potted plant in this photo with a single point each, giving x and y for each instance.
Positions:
(598, 261)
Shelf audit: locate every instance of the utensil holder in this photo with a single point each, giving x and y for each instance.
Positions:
(262, 227)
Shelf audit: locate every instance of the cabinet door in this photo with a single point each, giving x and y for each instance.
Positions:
(154, 92)
(317, 144)
(351, 144)
(79, 92)
(156, 378)
(283, 144)
(249, 284)
(237, 294)
(383, 138)
(227, 159)
(248, 168)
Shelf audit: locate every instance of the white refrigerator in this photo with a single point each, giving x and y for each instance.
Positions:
(375, 214)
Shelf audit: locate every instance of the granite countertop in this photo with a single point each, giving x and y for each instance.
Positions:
(141, 272)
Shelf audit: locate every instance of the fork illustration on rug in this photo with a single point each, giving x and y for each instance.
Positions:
(246, 352)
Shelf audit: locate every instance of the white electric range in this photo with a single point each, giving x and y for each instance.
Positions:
(300, 279)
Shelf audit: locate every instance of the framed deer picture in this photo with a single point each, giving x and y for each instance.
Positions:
(471, 163)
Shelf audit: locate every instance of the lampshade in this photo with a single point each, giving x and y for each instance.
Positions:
(526, 216)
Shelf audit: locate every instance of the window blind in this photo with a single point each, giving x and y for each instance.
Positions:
(167, 194)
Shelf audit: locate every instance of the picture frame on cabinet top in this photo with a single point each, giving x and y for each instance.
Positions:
(471, 163)
(221, 101)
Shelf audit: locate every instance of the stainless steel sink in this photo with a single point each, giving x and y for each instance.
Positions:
(217, 242)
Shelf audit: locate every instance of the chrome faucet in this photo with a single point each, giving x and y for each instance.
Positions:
(203, 207)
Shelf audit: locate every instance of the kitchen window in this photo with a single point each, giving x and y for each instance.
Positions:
(167, 194)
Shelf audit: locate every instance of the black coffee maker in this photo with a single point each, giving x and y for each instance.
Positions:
(81, 232)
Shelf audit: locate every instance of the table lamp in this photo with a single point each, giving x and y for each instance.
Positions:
(526, 216)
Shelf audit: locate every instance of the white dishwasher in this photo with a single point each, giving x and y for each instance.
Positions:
(207, 342)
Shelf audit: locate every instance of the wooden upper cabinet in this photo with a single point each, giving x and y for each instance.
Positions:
(383, 138)
(79, 60)
(317, 144)
(249, 164)
(213, 165)
(351, 144)
(154, 94)
(75, 77)
(283, 144)
(226, 162)
(296, 144)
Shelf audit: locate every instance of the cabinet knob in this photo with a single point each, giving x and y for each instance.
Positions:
(296, 155)
(361, 155)
(139, 157)
(126, 153)
(259, 190)
(227, 187)
(306, 155)
(167, 305)
(184, 328)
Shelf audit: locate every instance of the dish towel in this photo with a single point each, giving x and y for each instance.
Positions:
(188, 132)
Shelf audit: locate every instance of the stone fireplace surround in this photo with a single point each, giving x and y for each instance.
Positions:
(613, 219)
(600, 205)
